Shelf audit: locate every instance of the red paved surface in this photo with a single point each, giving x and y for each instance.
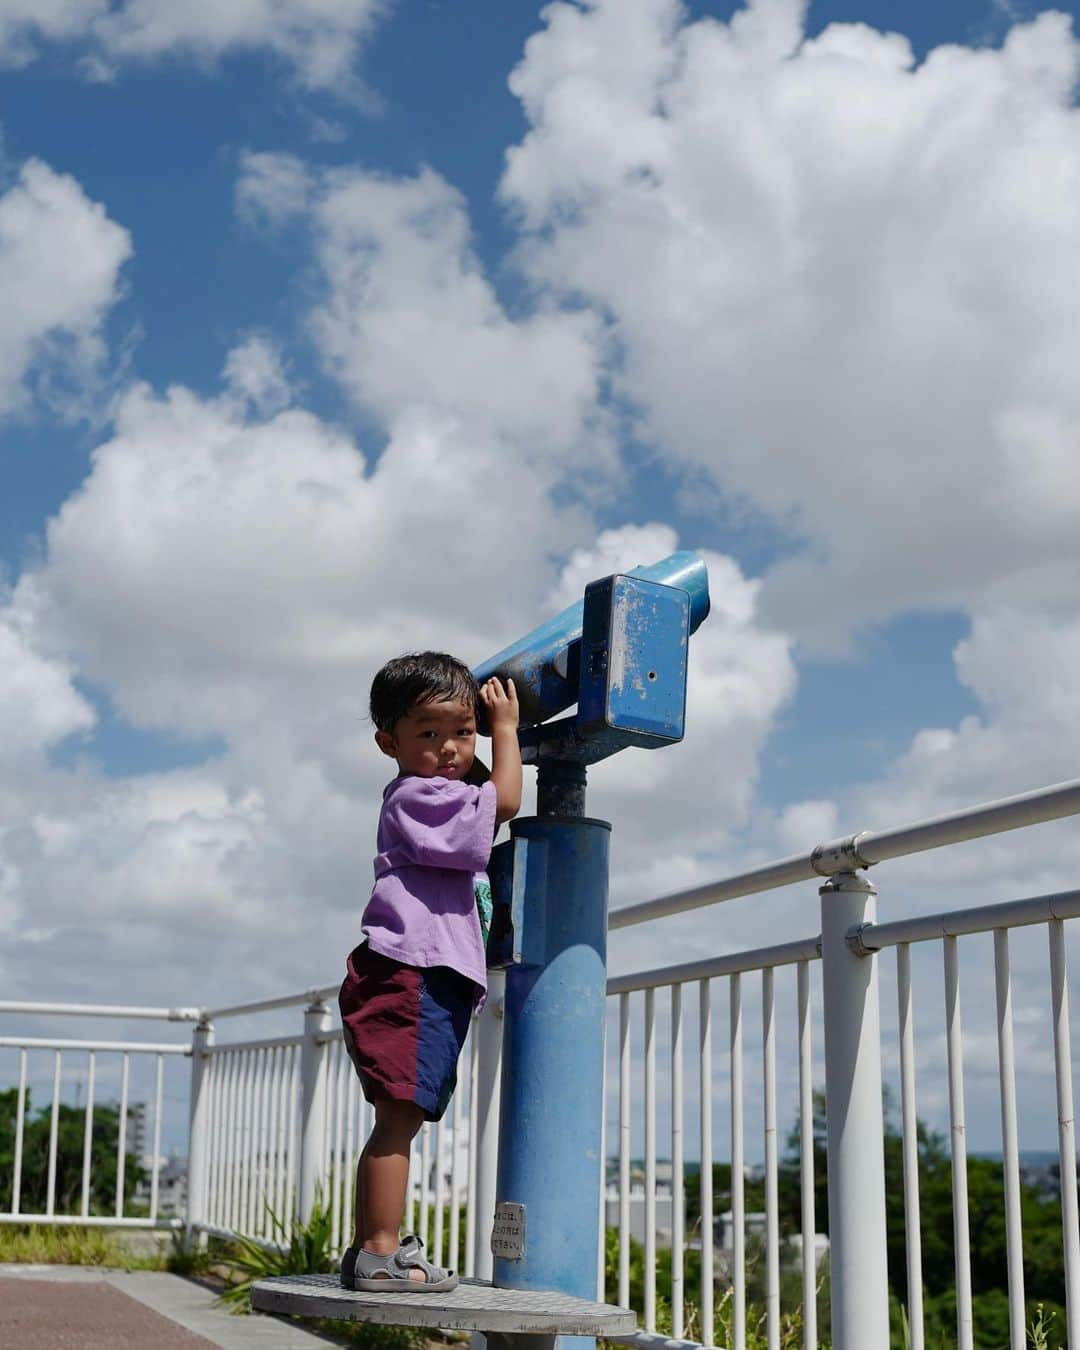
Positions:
(47, 1315)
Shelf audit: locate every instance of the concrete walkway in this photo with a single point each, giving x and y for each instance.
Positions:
(89, 1308)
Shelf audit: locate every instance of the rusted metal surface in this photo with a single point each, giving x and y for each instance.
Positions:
(560, 789)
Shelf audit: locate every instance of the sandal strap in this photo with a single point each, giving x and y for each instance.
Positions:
(396, 1265)
(368, 1264)
(408, 1258)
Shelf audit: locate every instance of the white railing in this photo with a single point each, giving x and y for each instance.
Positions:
(250, 1137)
(275, 1126)
(851, 1040)
(699, 977)
(277, 1122)
(284, 1121)
(106, 1062)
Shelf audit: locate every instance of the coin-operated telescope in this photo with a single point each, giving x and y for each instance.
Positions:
(621, 657)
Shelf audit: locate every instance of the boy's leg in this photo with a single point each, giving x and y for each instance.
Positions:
(358, 1201)
(382, 1177)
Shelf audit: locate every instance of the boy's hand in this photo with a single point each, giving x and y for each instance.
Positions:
(500, 704)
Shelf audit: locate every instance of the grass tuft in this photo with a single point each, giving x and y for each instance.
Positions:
(69, 1245)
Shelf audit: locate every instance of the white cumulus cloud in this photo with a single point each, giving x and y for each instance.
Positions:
(841, 281)
(236, 569)
(60, 275)
(408, 318)
(318, 41)
(26, 23)
(39, 705)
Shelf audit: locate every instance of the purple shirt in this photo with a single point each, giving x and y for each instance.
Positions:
(435, 837)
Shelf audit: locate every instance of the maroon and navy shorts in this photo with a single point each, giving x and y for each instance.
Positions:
(404, 1027)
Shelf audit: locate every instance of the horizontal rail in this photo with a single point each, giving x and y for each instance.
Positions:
(271, 1043)
(102, 1010)
(269, 1004)
(785, 954)
(42, 1043)
(872, 937)
(855, 851)
(229, 1234)
(761, 958)
(848, 853)
(90, 1221)
(767, 878)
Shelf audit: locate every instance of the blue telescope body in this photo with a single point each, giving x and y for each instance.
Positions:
(620, 655)
(545, 665)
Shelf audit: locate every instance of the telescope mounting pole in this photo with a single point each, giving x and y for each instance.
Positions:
(550, 1146)
(560, 789)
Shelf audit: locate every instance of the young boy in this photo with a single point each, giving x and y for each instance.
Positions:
(415, 979)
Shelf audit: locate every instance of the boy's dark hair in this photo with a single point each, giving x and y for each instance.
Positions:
(419, 677)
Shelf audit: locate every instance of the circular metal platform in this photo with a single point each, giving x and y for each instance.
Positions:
(473, 1306)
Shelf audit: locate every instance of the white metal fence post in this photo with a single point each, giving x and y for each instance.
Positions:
(314, 1058)
(202, 1039)
(857, 1258)
(489, 1031)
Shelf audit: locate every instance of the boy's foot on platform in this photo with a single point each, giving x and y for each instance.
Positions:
(371, 1273)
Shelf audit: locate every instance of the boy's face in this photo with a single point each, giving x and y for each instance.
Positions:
(433, 740)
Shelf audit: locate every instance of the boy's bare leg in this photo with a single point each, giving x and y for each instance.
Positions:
(382, 1177)
(358, 1202)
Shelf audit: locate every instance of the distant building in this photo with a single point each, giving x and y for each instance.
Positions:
(172, 1185)
(637, 1212)
(135, 1138)
(1043, 1177)
(172, 1188)
(754, 1228)
(723, 1224)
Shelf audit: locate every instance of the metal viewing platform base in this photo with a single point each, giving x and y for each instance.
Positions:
(528, 1318)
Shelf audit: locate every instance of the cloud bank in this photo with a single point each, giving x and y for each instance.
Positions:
(317, 41)
(840, 282)
(61, 259)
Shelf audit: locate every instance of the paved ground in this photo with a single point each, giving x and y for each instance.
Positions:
(79, 1308)
(41, 1315)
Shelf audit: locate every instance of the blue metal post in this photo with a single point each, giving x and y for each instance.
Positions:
(550, 1146)
(621, 656)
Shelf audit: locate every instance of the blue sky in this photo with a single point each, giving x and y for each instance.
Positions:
(461, 306)
(438, 97)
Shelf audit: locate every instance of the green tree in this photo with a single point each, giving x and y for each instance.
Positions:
(1043, 1259)
(753, 1194)
(1044, 1274)
(70, 1131)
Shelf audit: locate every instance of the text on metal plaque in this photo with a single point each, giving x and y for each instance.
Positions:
(508, 1232)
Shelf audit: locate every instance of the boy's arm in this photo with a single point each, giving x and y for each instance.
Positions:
(501, 705)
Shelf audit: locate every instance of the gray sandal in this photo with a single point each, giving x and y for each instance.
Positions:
(371, 1273)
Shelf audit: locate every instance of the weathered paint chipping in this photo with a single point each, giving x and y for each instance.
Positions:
(544, 664)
